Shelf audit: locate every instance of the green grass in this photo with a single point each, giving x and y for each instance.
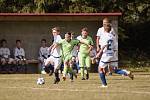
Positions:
(23, 87)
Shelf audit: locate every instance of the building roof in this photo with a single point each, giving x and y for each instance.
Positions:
(56, 16)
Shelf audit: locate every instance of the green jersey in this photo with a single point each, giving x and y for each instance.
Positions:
(83, 47)
(67, 47)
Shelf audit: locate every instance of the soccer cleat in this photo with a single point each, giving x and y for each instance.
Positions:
(131, 75)
(43, 72)
(104, 86)
(87, 76)
(64, 78)
(83, 78)
(56, 80)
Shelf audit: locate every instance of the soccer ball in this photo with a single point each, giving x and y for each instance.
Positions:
(40, 81)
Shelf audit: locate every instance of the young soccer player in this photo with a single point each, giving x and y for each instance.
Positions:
(67, 46)
(84, 53)
(43, 55)
(19, 55)
(5, 56)
(106, 53)
(56, 57)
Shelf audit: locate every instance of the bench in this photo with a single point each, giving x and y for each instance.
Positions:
(32, 66)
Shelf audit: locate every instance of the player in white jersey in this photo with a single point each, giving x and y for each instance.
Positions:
(107, 52)
(19, 53)
(55, 59)
(5, 56)
(43, 55)
(100, 34)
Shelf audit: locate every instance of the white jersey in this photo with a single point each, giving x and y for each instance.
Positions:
(57, 51)
(101, 33)
(44, 52)
(19, 52)
(108, 41)
(4, 52)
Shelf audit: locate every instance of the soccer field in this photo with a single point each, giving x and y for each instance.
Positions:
(24, 87)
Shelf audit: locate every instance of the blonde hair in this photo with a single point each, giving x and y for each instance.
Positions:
(56, 29)
(107, 20)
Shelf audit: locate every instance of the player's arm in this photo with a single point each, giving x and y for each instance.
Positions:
(90, 48)
(91, 45)
(50, 48)
(97, 43)
(81, 41)
(54, 46)
(100, 51)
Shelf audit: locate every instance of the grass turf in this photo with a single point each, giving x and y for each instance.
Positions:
(24, 87)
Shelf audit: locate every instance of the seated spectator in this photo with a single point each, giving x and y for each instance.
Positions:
(43, 55)
(6, 61)
(19, 54)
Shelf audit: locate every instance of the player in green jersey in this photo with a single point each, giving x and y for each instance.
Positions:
(84, 53)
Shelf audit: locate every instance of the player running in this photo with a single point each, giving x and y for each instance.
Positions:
(107, 52)
(55, 59)
(84, 53)
(67, 46)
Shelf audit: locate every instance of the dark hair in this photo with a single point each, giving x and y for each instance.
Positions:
(84, 29)
(43, 40)
(69, 33)
(3, 40)
(18, 41)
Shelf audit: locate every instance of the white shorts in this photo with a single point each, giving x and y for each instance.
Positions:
(56, 61)
(114, 62)
(105, 60)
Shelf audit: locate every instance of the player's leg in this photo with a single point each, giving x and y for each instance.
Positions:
(124, 72)
(102, 68)
(42, 65)
(82, 65)
(102, 73)
(88, 64)
(71, 71)
(48, 66)
(57, 64)
(3, 65)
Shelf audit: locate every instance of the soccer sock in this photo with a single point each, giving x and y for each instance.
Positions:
(56, 75)
(120, 71)
(82, 72)
(103, 79)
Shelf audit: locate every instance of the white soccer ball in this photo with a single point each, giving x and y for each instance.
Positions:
(40, 81)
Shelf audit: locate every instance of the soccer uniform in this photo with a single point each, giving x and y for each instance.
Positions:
(67, 48)
(55, 56)
(101, 34)
(19, 54)
(43, 55)
(108, 52)
(5, 54)
(84, 56)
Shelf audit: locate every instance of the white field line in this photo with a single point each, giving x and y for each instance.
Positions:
(77, 90)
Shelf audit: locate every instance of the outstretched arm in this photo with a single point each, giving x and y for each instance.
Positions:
(54, 46)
